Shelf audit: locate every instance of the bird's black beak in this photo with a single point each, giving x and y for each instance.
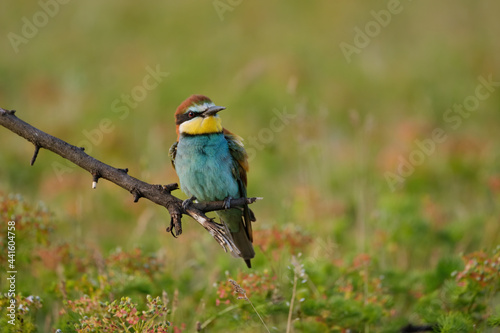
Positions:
(211, 111)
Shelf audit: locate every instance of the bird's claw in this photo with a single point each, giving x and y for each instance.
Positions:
(188, 202)
(227, 203)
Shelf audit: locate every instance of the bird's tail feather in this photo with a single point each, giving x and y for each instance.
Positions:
(240, 232)
(242, 242)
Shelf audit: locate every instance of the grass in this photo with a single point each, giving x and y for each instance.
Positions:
(376, 259)
(242, 294)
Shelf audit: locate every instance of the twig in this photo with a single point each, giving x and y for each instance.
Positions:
(139, 189)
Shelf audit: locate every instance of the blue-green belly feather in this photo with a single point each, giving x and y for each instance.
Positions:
(205, 167)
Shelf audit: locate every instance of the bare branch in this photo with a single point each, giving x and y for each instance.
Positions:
(139, 189)
(219, 205)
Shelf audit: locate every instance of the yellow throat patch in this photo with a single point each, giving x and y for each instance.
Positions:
(200, 125)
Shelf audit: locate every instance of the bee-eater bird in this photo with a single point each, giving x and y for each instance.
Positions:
(212, 165)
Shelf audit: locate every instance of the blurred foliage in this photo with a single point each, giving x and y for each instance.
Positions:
(79, 289)
(323, 131)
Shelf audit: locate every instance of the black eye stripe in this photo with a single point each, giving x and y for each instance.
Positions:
(180, 118)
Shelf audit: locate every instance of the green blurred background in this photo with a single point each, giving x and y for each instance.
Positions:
(323, 173)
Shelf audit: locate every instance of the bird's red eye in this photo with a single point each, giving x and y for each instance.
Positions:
(190, 114)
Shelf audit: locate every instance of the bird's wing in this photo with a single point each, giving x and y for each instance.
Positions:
(172, 153)
(240, 168)
(239, 155)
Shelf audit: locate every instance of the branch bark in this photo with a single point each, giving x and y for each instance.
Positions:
(158, 194)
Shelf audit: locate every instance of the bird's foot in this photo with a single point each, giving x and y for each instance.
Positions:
(188, 202)
(227, 203)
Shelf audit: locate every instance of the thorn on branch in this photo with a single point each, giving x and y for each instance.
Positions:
(95, 179)
(123, 170)
(3, 112)
(35, 154)
(170, 187)
(137, 195)
(81, 148)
